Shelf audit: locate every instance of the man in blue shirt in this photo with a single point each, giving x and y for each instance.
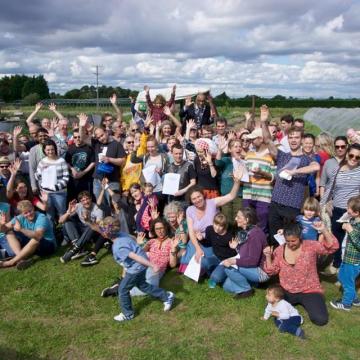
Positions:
(27, 234)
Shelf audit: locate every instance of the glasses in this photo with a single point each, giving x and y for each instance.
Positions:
(76, 137)
(245, 140)
(130, 142)
(340, 147)
(353, 156)
(4, 166)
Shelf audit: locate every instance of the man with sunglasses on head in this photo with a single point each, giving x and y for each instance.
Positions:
(81, 160)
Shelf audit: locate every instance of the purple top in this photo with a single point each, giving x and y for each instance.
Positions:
(251, 252)
(290, 192)
(208, 218)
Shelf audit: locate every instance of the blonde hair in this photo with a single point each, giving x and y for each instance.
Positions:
(24, 205)
(221, 220)
(311, 204)
(326, 143)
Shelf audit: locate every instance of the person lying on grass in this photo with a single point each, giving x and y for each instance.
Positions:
(26, 234)
(133, 258)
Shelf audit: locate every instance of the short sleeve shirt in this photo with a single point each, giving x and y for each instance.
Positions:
(290, 192)
(122, 247)
(40, 221)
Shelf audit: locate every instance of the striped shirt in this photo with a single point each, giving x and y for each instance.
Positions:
(259, 188)
(62, 173)
(347, 185)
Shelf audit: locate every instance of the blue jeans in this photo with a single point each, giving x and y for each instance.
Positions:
(139, 280)
(219, 274)
(152, 278)
(347, 276)
(290, 325)
(238, 280)
(97, 190)
(56, 204)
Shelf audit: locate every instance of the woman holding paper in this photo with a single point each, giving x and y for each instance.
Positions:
(53, 175)
(201, 215)
(247, 267)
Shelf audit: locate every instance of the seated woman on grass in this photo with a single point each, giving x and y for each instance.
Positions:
(26, 234)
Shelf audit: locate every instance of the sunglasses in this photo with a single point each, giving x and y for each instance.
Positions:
(353, 156)
(340, 146)
(76, 137)
(130, 142)
(4, 166)
(245, 140)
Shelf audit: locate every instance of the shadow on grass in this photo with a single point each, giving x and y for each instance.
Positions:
(11, 354)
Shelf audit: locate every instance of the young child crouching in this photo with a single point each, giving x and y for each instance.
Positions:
(286, 317)
(132, 257)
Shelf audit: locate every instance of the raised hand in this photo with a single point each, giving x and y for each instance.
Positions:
(231, 135)
(318, 225)
(52, 107)
(208, 157)
(233, 243)
(166, 110)
(15, 166)
(148, 121)
(2, 218)
(44, 196)
(132, 99)
(72, 206)
(151, 202)
(264, 113)
(17, 226)
(222, 144)
(174, 89)
(82, 119)
(54, 123)
(140, 238)
(180, 217)
(248, 115)
(38, 106)
(188, 101)
(104, 183)
(147, 89)
(113, 99)
(154, 212)
(190, 123)
(17, 131)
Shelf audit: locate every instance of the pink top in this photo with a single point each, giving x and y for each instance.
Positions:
(159, 253)
(208, 218)
(301, 277)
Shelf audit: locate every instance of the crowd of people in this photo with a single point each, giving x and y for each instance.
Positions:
(253, 200)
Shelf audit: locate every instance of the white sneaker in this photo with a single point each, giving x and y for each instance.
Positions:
(121, 317)
(169, 302)
(330, 270)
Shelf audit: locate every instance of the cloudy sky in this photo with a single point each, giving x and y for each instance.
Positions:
(264, 47)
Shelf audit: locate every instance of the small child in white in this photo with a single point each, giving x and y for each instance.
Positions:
(286, 317)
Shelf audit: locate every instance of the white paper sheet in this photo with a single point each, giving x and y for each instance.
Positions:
(151, 175)
(171, 183)
(280, 239)
(49, 178)
(193, 269)
(234, 257)
(345, 218)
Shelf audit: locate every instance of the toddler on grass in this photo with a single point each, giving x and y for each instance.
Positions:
(286, 317)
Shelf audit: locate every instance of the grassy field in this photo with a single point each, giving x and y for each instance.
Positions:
(234, 114)
(54, 311)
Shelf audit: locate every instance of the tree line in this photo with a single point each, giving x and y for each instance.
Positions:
(31, 89)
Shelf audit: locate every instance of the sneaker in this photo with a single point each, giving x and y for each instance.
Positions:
(90, 260)
(24, 264)
(69, 254)
(80, 254)
(211, 284)
(356, 302)
(300, 333)
(110, 291)
(169, 302)
(244, 294)
(108, 246)
(337, 304)
(121, 317)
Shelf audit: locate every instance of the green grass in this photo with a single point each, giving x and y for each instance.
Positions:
(54, 311)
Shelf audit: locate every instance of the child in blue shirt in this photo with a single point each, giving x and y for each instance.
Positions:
(132, 257)
(310, 215)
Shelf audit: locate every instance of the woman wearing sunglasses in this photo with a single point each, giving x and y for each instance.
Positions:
(344, 184)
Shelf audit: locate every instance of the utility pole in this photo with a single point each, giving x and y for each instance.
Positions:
(97, 87)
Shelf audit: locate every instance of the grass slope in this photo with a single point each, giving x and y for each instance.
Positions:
(54, 311)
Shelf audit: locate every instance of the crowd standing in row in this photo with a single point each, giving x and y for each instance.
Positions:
(239, 188)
